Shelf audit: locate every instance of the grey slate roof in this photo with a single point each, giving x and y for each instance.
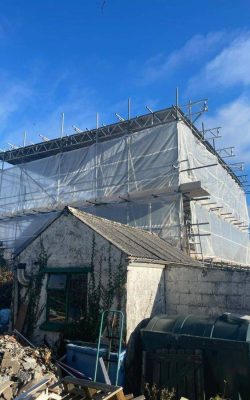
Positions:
(136, 243)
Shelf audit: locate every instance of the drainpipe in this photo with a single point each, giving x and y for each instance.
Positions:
(21, 276)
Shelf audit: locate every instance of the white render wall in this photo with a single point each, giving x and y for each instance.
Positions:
(145, 293)
(68, 243)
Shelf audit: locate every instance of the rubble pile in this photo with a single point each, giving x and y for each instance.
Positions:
(22, 365)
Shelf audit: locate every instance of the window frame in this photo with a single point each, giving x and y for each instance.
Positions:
(68, 271)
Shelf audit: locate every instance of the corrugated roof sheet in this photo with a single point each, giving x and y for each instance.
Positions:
(135, 242)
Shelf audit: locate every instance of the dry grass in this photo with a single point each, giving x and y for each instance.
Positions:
(154, 393)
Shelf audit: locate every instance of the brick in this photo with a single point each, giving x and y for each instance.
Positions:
(190, 299)
(234, 302)
(182, 309)
(247, 288)
(171, 310)
(246, 302)
(230, 288)
(219, 276)
(205, 287)
(173, 298)
(214, 300)
(197, 310)
(241, 276)
(182, 274)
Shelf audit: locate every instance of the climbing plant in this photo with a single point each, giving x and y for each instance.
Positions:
(104, 290)
(6, 281)
(100, 296)
(34, 291)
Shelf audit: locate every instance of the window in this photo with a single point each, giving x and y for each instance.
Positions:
(66, 297)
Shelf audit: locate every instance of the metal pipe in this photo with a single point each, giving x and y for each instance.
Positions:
(97, 120)
(24, 139)
(62, 125)
(21, 277)
(177, 101)
(129, 107)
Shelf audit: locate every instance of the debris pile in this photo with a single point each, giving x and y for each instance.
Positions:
(22, 366)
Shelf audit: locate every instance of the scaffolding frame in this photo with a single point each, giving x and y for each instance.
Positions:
(86, 138)
(22, 155)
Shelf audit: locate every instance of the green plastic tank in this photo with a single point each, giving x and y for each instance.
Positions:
(226, 326)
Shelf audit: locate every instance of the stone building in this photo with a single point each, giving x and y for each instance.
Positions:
(80, 264)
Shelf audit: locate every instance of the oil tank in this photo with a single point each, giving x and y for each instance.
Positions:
(214, 352)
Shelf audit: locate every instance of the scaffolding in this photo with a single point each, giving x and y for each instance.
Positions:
(156, 171)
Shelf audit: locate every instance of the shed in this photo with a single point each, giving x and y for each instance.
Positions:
(80, 264)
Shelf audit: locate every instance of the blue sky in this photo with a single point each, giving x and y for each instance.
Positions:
(83, 56)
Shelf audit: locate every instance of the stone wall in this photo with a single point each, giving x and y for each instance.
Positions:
(207, 290)
(155, 289)
(67, 243)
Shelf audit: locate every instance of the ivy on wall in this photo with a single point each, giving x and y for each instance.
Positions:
(34, 292)
(6, 281)
(100, 296)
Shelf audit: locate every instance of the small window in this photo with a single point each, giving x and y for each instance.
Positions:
(56, 306)
(78, 297)
(57, 281)
(66, 297)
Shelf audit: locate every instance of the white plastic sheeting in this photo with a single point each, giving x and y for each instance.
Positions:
(141, 165)
(158, 215)
(16, 231)
(224, 191)
(225, 208)
(225, 242)
(136, 163)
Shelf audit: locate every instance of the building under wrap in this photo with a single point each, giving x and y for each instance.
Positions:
(156, 172)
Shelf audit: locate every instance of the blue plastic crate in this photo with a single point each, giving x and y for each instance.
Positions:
(83, 358)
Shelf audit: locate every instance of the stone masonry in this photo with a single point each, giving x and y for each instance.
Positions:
(186, 290)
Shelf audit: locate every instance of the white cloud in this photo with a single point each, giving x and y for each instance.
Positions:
(76, 107)
(161, 65)
(13, 94)
(229, 68)
(234, 118)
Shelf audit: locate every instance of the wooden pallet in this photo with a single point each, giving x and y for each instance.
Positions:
(70, 388)
(80, 389)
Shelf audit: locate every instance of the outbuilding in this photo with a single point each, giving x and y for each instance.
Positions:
(80, 264)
